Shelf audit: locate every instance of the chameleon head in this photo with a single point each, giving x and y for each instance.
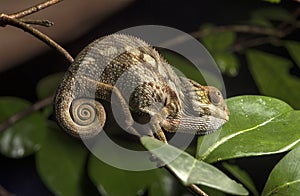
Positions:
(208, 100)
(205, 109)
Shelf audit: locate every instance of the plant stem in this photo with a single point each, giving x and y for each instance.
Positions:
(45, 23)
(239, 28)
(34, 9)
(197, 190)
(239, 46)
(8, 20)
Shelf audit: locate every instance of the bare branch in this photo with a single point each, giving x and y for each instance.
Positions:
(45, 23)
(7, 20)
(34, 9)
(269, 35)
(239, 46)
(239, 28)
(197, 190)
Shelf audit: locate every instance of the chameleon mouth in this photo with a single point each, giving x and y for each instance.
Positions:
(226, 117)
(220, 114)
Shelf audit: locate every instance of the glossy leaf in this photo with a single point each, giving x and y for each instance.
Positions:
(113, 181)
(60, 163)
(25, 136)
(294, 49)
(47, 87)
(218, 45)
(227, 62)
(242, 176)
(211, 191)
(191, 171)
(258, 125)
(285, 177)
(216, 42)
(271, 74)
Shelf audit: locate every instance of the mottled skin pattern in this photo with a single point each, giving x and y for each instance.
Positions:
(140, 81)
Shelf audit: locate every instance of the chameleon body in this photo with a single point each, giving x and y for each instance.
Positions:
(141, 82)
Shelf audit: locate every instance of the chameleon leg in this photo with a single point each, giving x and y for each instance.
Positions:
(161, 136)
(127, 120)
(156, 120)
(104, 92)
(158, 130)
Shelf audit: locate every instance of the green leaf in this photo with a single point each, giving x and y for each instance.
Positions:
(271, 74)
(218, 45)
(191, 171)
(294, 49)
(46, 87)
(227, 62)
(190, 71)
(258, 125)
(285, 177)
(273, 1)
(242, 176)
(211, 191)
(60, 163)
(25, 136)
(271, 13)
(113, 181)
(215, 42)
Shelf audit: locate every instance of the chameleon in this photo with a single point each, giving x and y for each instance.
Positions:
(142, 82)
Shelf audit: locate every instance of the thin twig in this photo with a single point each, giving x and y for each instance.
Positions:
(19, 116)
(291, 20)
(272, 35)
(45, 23)
(239, 28)
(34, 9)
(197, 190)
(7, 20)
(239, 46)
(285, 28)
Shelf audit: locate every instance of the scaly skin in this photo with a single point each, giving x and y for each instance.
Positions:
(128, 71)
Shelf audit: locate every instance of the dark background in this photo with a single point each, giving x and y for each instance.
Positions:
(20, 177)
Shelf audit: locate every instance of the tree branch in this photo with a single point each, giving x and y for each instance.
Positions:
(34, 9)
(239, 46)
(271, 35)
(197, 190)
(8, 20)
(45, 23)
(239, 28)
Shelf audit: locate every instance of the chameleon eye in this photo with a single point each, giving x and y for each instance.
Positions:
(215, 97)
